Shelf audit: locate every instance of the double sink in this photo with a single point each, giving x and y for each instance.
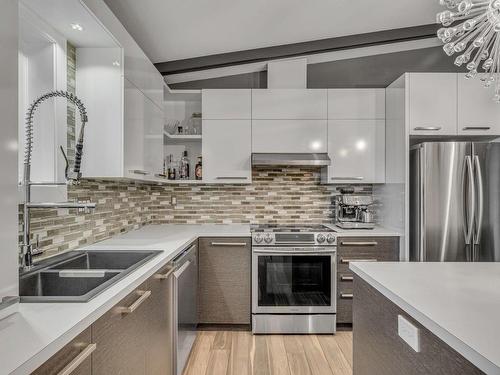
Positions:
(78, 276)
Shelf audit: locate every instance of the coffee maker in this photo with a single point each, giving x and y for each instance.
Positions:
(353, 211)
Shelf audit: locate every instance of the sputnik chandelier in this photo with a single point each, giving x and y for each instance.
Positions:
(472, 31)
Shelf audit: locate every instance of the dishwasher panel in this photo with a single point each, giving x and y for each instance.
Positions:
(185, 282)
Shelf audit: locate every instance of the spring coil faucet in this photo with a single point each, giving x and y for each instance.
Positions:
(73, 177)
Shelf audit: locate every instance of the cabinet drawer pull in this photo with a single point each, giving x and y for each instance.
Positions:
(346, 278)
(77, 361)
(477, 128)
(164, 276)
(239, 244)
(359, 243)
(359, 178)
(139, 171)
(346, 295)
(427, 128)
(231, 178)
(347, 261)
(143, 295)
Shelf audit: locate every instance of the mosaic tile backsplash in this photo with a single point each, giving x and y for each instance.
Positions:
(277, 195)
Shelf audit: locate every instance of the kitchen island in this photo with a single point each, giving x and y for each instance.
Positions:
(448, 313)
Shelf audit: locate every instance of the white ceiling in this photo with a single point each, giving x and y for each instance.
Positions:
(60, 14)
(177, 29)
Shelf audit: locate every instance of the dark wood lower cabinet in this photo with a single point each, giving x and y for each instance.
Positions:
(378, 349)
(224, 281)
(373, 249)
(120, 335)
(159, 336)
(74, 358)
(132, 338)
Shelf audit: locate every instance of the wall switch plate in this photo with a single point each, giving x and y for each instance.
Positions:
(409, 333)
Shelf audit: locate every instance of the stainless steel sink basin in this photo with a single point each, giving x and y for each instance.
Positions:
(78, 276)
(103, 260)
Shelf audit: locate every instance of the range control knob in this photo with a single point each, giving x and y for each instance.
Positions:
(330, 239)
(320, 238)
(257, 238)
(268, 238)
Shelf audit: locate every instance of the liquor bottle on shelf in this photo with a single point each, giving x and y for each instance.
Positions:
(198, 173)
(184, 167)
(171, 168)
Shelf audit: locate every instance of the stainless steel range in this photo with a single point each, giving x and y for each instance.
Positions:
(293, 279)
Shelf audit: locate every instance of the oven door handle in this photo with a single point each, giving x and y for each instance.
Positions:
(294, 252)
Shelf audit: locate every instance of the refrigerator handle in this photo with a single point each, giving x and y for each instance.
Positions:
(470, 206)
(479, 173)
(421, 204)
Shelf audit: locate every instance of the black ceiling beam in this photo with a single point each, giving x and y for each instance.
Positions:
(297, 49)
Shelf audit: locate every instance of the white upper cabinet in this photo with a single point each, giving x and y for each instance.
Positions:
(100, 87)
(478, 114)
(357, 151)
(227, 104)
(289, 136)
(345, 104)
(227, 151)
(138, 69)
(300, 104)
(432, 99)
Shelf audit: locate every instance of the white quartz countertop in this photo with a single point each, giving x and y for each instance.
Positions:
(39, 330)
(378, 231)
(458, 302)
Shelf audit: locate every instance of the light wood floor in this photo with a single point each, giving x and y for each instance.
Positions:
(241, 353)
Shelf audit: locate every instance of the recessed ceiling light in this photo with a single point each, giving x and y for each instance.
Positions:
(116, 63)
(77, 27)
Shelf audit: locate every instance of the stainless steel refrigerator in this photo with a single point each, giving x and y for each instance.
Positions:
(455, 202)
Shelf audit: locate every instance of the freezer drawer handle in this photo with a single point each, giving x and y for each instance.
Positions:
(428, 128)
(164, 276)
(347, 261)
(346, 295)
(77, 361)
(240, 244)
(359, 243)
(476, 128)
(346, 278)
(143, 296)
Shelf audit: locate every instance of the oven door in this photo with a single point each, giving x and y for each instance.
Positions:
(293, 280)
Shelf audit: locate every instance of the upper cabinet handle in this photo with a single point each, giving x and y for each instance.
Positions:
(77, 361)
(428, 128)
(231, 178)
(348, 178)
(139, 171)
(143, 295)
(477, 128)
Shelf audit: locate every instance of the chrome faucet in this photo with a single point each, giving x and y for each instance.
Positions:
(28, 250)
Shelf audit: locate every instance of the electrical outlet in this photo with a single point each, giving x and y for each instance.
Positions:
(409, 333)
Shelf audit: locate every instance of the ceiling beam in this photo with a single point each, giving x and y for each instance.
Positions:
(297, 49)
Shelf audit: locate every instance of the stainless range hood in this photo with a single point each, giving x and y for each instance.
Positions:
(286, 159)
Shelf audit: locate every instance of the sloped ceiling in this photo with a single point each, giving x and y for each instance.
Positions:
(170, 30)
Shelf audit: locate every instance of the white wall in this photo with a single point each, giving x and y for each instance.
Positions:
(8, 147)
